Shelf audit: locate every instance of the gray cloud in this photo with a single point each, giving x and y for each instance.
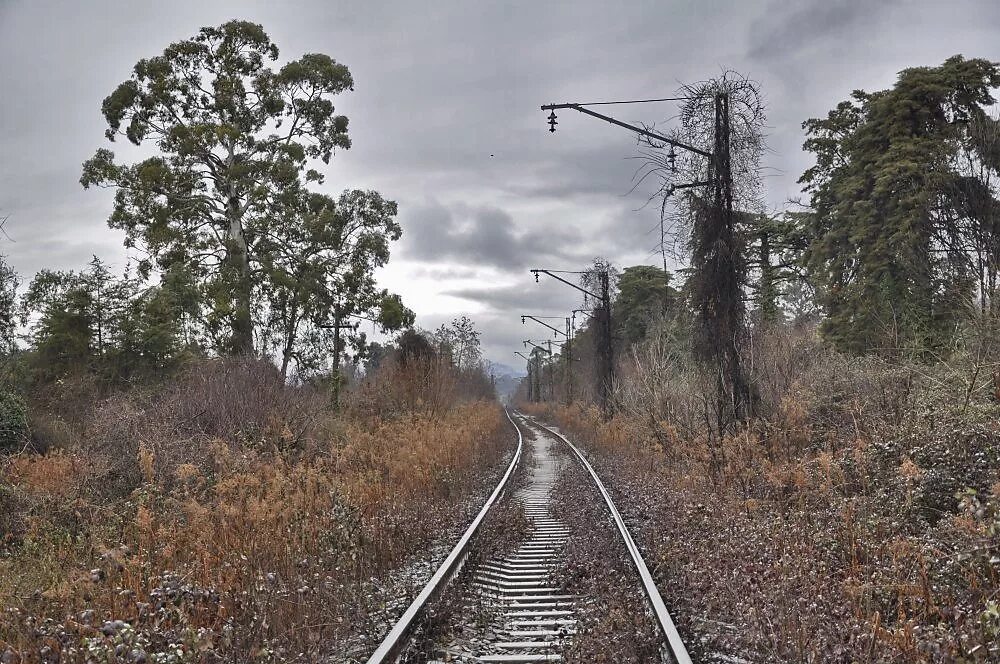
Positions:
(784, 31)
(441, 88)
(483, 236)
(549, 298)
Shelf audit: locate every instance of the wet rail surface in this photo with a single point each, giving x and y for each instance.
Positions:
(531, 618)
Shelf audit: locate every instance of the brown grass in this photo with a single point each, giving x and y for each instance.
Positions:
(228, 513)
(857, 519)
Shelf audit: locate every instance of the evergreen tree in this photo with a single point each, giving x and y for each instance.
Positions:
(888, 248)
(94, 322)
(644, 296)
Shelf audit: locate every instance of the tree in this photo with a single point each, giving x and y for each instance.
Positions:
(776, 244)
(889, 247)
(975, 191)
(318, 272)
(460, 341)
(644, 296)
(9, 282)
(64, 336)
(93, 322)
(235, 139)
(413, 347)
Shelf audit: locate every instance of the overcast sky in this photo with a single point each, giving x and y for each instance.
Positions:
(444, 118)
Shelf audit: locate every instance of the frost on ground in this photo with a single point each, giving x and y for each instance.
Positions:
(386, 598)
(463, 619)
(859, 522)
(615, 622)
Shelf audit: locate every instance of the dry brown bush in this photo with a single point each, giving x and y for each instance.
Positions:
(228, 514)
(855, 519)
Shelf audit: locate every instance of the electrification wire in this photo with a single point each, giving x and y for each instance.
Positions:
(634, 101)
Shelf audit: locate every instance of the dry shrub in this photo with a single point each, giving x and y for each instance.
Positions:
(421, 384)
(853, 520)
(226, 515)
(241, 404)
(425, 383)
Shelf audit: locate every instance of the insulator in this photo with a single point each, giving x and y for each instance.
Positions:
(552, 121)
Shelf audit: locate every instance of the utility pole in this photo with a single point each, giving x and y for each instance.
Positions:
(531, 394)
(731, 382)
(555, 331)
(606, 350)
(539, 395)
(537, 348)
(727, 316)
(605, 344)
(337, 326)
(567, 354)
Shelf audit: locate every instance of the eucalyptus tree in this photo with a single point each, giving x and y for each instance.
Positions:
(319, 278)
(9, 282)
(235, 141)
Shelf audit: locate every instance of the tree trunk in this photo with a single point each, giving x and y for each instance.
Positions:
(336, 358)
(291, 333)
(238, 268)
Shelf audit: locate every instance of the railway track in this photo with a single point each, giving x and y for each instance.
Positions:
(531, 618)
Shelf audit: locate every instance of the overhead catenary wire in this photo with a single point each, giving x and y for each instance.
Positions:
(633, 101)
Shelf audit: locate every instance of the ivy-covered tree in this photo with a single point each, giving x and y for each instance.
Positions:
(890, 242)
(235, 139)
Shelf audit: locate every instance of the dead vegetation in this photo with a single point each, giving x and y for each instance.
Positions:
(855, 519)
(225, 516)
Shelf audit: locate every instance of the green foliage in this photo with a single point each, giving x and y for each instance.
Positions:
(393, 314)
(13, 421)
(318, 269)
(775, 247)
(9, 282)
(93, 322)
(644, 295)
(889, 247)
(235, 139)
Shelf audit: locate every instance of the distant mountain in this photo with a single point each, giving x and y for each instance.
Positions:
(506, 379)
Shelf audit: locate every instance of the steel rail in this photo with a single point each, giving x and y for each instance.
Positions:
(677, 648)
(400, 633)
